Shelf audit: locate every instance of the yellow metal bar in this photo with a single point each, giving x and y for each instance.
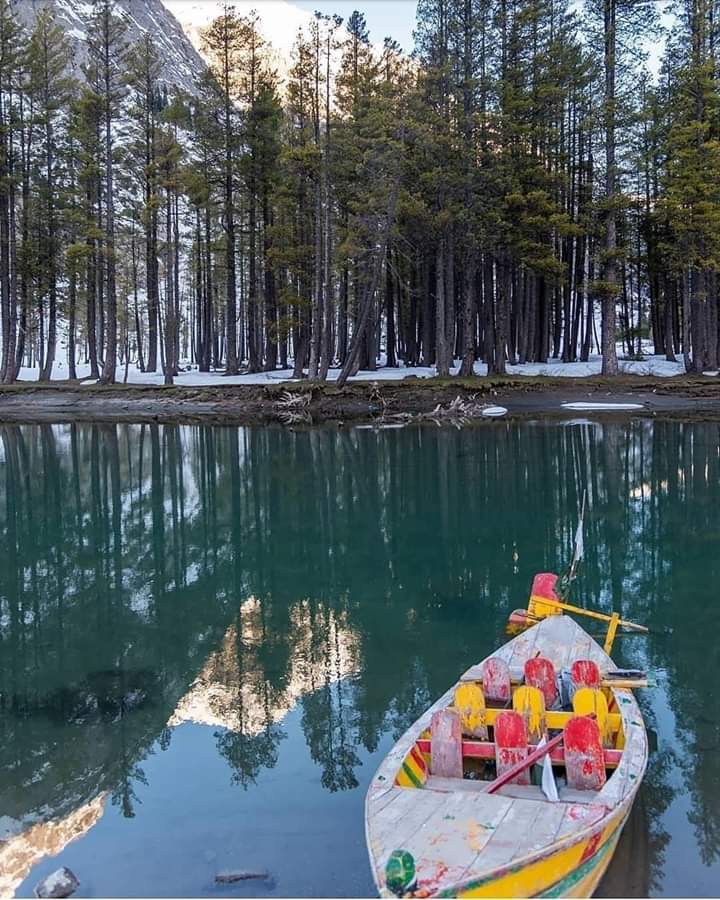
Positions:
(619, 683)
(594, 615)
(627, 683)
(555, 719)
(612, 628)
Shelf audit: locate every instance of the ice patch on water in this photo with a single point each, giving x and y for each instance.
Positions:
(588, 407)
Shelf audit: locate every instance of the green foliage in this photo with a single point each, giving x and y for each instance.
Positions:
(469, 188)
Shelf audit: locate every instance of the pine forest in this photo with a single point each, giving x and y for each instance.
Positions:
(525, 184)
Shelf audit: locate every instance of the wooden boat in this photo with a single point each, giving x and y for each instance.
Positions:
(436, 825)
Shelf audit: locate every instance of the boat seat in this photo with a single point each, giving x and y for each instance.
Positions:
(591, 701)
(530, 703)
(446, 746)
(543, 589)
(585, 673)
(469, 701)
(584, 758)
(496, 680)
(540, 673)
(511, 744)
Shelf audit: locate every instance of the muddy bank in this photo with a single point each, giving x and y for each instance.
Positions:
(389, 401)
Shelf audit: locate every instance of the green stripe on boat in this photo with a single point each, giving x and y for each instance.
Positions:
(411, 775)
(560, 888)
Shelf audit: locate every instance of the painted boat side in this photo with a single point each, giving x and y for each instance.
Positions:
(572, 868)
(583, 881)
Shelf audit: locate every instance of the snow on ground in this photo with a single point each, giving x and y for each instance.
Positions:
(652, 365)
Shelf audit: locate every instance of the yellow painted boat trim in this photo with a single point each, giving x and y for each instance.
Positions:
(570, 871)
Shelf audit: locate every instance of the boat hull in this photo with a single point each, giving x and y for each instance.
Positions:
(573, 871)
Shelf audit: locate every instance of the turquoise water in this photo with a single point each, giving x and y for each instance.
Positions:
(210, 637)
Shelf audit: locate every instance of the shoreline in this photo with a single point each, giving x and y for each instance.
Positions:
(390, 401)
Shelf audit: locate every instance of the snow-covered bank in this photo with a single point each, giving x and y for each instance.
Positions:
(656, 366)
(386, 396)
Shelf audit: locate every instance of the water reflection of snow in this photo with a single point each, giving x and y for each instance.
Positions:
(228, 693)
(19, 853)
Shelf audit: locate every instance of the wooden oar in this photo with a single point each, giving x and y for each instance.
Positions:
(523, 764)
(528, 761)
(629, 678)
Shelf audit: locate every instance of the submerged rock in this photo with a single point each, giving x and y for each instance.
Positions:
(61, 883)
(232, 875)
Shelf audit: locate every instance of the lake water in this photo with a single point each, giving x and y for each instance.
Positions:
(209, 637)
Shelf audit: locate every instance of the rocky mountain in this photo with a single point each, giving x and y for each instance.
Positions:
(181, 61)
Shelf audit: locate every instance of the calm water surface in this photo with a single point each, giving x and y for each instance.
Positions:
(210, 637)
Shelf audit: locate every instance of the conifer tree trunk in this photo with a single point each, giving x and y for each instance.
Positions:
(169, 362)
(391, 358)
(208, 307)
(316, 311)
(609, 269)
(271, 329)
(468, 312)
(442, 365)
(501, 317)
(252, 290)
(328, 295)
(108, 373)
(46, 372)
(230, 282)
(24, 274)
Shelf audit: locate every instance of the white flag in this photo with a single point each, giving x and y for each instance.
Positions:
(579, 546)
(549, 788)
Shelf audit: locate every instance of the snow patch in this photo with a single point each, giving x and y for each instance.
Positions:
(655, 365)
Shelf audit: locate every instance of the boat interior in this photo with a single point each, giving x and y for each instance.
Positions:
(494, 721)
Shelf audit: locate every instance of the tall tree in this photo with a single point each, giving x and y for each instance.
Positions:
(10, 37)
(143, 71)
(223, 43)
(106, 54)
(48, 58)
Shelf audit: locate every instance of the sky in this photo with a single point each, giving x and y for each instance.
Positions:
(281, 18)
(393, 18)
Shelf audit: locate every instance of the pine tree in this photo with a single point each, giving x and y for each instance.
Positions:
(48, 58)
(293, 246)
(10, 40)
(199, 186)
(143, 71)
(357, 95)
(106, 54)
(85, 233)
(169, 163)
(222, 42)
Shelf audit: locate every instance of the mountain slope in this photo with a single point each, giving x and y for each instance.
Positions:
(181, 61)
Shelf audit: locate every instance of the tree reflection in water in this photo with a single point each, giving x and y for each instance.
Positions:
(154, 575)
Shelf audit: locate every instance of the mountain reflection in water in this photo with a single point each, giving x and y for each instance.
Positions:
(305, 595)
